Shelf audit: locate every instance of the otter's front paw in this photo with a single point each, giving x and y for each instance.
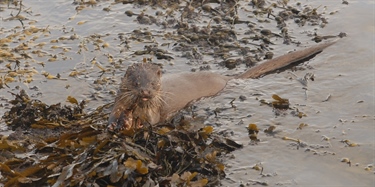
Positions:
(123, 122)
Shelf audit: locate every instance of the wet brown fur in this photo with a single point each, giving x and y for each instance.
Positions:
(152, 98)
(141, 81)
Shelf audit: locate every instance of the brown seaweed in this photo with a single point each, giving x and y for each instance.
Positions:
(81, 152)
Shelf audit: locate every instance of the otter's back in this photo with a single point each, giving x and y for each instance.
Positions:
(182, 88)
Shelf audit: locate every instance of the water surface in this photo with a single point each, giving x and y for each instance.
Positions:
(345, 73)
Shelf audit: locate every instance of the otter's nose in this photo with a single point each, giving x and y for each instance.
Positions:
(145, 94)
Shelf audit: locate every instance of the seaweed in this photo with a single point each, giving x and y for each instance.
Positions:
(68, 147)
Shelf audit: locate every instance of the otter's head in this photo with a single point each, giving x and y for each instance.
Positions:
(142, 85)
(140, 93)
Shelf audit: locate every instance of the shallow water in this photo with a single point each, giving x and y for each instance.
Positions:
(345, 71)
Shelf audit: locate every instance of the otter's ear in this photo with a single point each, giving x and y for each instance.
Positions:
(130, 69)
(126, 74)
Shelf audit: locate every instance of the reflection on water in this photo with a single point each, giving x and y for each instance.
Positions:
(345, 72)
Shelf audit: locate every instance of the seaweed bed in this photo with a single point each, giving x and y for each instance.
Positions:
(74, 149)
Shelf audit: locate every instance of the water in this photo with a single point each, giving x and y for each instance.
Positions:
(344, 71)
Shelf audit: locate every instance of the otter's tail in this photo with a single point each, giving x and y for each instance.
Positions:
(283, 61)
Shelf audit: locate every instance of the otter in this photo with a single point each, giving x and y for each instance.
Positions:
(145, 96)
